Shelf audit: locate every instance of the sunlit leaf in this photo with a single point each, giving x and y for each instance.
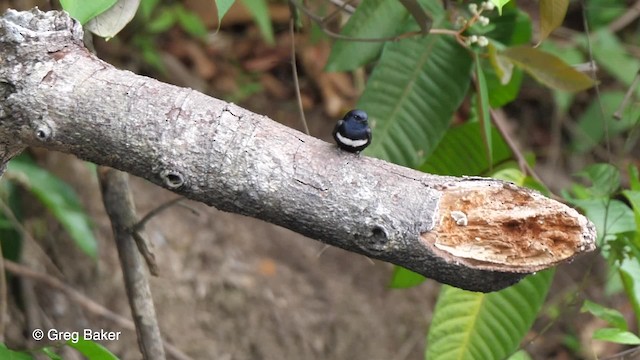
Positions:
(500, 4)
(110, 22)
(469, 325)
(616, 336)
(520, 355)
(548, 69)
(552, 13)
(91, 349)
(630, 275)
(611, 316)
(83, 10)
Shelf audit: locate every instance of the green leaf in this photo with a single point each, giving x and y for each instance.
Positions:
(373, 19)
(630, 275)
(468, 325)
(260, 13)
(570, 54)
(500, 4)
(91, 349)
(164, 21)
(110, 22)
(60, 199)
(611, 217)
(548, 69)
(7, 354)
(223, 6)
(611, 316)
(597, 121)
(403, 278)
(146, 8)
(604, 178)
(83, 10)
(552, 13)
(461, 152)
(483, 109)
(610, 54)
(411, 97)
(191, 22)
(520, 355)
(616, 336)
(50, 351)
(512, 28)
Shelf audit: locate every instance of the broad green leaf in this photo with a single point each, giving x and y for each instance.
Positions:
(483, 108)
(548, 69)
(411, 97)
(604, 178)
(13, 355)
(461, 152)
(260, 13)
(60, 199)
(373, 19)
(597, 121)
(469, 325)
(223, 6)
(91, 349)
(110, 22)
(83, 10)
(610, 54)
(513, 175)
(552, 13)
(616, 336)
(50, 351)
(403, 278)
(611, 316)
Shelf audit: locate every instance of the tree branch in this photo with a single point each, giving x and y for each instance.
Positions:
(474, 233)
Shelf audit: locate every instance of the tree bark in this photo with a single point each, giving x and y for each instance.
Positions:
(474, 233)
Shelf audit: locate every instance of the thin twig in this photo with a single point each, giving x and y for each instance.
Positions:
(83, 301)
(296, 82)
(623, 105)
(499, 122)
(118, 202)
(626, 18)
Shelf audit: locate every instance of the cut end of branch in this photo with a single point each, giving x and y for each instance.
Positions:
(502, 227)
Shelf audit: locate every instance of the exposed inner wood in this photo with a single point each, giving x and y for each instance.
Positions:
(506, 228)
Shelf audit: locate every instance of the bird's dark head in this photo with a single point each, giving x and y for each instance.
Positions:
(357, 115)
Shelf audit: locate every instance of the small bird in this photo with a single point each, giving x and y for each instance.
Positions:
(353, 133)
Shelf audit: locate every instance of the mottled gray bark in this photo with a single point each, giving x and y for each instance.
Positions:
(477, 234)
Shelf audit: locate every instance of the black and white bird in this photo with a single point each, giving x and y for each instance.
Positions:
(353, 133)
